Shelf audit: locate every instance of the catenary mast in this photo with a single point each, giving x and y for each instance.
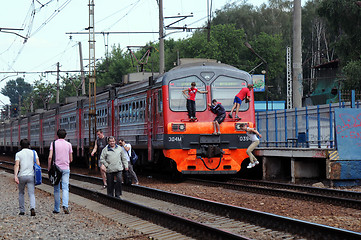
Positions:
(92, 79)
(297, 56)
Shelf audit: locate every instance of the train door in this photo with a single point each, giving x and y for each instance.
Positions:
(149, 119)
(158, 128)
(155, 116)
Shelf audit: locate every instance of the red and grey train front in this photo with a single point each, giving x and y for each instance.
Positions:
(191, 144)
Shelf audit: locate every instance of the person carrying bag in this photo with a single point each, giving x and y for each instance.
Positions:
(55, 172)
(24, 174)
(59, 164)
(37, 171)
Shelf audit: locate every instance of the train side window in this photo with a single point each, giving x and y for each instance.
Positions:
(224, 89)
(149, 108)
(160, 101)
(177, 101)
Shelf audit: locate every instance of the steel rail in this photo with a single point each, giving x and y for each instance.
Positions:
(271, 221)
(317, 194)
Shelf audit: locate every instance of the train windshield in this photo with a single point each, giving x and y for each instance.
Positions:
(224, 89)
(177, 101)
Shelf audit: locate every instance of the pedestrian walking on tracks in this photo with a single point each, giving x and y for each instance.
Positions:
(24, 175)
(252, 134)
(63, 157)
(99, 145)
(128, 153)
(113, 161)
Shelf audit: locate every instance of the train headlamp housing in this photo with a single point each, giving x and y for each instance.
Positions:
(176, 127)
(238, 127)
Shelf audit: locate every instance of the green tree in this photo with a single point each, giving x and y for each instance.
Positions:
(352, 72)
(70, 86)
(16, 90)
(43, 93)
(225, 45)
(273, 19)
(344, 21)
(272, 50)
(112, 69)
(344, 18)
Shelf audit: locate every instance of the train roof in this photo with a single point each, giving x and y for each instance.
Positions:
(197, 68)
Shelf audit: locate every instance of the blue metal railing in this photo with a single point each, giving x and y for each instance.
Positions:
(311, 127)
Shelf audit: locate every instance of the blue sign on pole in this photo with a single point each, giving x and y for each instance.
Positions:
(258, 83)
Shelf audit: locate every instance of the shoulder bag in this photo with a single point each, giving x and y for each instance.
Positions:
(127, 179)
(133, 157)
(37, 171)
(55, 172)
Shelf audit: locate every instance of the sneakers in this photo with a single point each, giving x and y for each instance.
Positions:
(66, 210)
(251, 165)
(55, 212)
(230, 115)
(32, 212)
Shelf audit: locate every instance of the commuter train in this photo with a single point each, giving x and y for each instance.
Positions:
(151, 114)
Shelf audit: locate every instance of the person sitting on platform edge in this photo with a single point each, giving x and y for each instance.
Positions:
(113, 161)
(24, 175)
(99, 145)
(191, 100)
(244, 94)
(219, 110)
(252, 134)
(63, 158)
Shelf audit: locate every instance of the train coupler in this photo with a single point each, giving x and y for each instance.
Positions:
(209, 151)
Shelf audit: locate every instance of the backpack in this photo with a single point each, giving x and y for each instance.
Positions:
(133, 157)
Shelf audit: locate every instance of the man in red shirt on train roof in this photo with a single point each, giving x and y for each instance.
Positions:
(191, 100)
(244, 94)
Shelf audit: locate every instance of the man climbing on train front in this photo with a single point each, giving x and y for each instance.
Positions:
(244, 94)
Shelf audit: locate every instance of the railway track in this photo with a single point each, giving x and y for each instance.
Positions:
(342, 198)
(202, 219)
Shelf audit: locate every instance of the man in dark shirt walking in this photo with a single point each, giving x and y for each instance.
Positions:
(99, 145)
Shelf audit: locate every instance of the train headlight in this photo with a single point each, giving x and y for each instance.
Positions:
(178, 127)
(237, 126)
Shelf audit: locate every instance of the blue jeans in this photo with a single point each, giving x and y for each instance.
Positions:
(65, 187)
(29, 181)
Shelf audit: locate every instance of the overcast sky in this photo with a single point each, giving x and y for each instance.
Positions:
(48, 42)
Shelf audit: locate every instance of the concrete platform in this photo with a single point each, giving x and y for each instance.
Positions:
(293, 163)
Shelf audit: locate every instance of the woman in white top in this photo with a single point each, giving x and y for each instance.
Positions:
(252, 134)
(24, 174)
